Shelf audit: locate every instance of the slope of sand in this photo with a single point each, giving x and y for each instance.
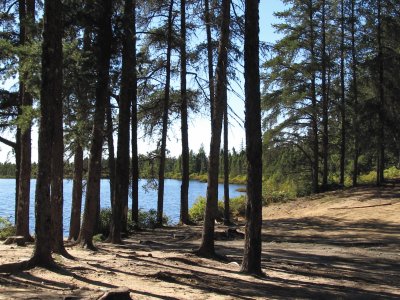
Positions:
(336, 245)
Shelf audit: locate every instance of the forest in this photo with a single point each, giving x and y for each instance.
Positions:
(321, 106)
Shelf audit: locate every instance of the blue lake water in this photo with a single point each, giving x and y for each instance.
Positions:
(147, 198)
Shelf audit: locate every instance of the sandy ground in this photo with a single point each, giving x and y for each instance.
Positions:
(337, 245)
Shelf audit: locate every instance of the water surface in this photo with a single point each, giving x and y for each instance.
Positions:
(147, 198)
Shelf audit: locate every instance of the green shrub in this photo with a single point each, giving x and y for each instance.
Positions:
(274, 191)
(147, 219)
(196, 212)
(99, 238)
(392, 172)
(239, 179)
(237, 208)
(368, 178)
(103, 225)
(199, 177)
(7, 229)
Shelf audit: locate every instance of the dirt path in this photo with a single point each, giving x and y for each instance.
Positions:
(337, 245)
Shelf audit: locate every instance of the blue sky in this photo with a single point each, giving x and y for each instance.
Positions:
(199, 129)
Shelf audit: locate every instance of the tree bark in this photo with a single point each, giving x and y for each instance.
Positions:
(381, 132)
(161, 171)
(207, 18)
(77, 188)
(57, 176)
(325, 101)
(103, 54)
(111, 156)
(227, 220)
(343, 97)
(27, 16)
(251, 263)
(120, 208)
(314, 108)
(207, 242)
(51, 93)
(134, 137)
(355, 93)
(184, 213)
(57, 165)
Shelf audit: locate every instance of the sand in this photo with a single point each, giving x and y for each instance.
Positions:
(335, 245)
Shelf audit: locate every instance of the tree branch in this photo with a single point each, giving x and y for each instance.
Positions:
(8, 142)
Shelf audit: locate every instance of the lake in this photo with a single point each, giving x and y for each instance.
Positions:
(147, 198)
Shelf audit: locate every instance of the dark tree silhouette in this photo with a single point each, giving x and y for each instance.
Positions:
(120, 207)
(207, 241)
(27, 17)
(161, 170)
(184, 215)
(50, 96)
(103, 54)
(252, 248)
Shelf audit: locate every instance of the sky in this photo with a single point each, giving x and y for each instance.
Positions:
(199, 126)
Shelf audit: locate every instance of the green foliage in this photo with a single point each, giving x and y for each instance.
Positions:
(99, 238)
(368, 178)
(196, 212)
(147, 219)
(237, 208)
(275, 191)
(103, 225)
(239, 179)
(24, 120)
(7, 229)
(392, 172)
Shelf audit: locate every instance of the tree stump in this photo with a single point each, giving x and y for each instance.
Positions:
(16, 239)
(122, 293)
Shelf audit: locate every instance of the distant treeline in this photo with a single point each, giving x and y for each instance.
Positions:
(148, 166)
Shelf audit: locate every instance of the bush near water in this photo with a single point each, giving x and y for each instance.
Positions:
(7, 229)
(237, 208)
(147, 219)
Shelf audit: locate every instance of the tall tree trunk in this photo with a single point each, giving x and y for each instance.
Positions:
(161, 171)
(381, 133)
(135, 161)
(184, 214)
(314, 108)
(252, 247)
(103, 54)
(207, 241)
(18, 206)
(77, 188)
(111, 157)
(227, 220)
(343, 96)
(57, 176)
(50, 95)
(325, 101)
(27, 16)
(17, 166)
(120, 208)
(57, 165)
(207, 18)
(355, 93)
